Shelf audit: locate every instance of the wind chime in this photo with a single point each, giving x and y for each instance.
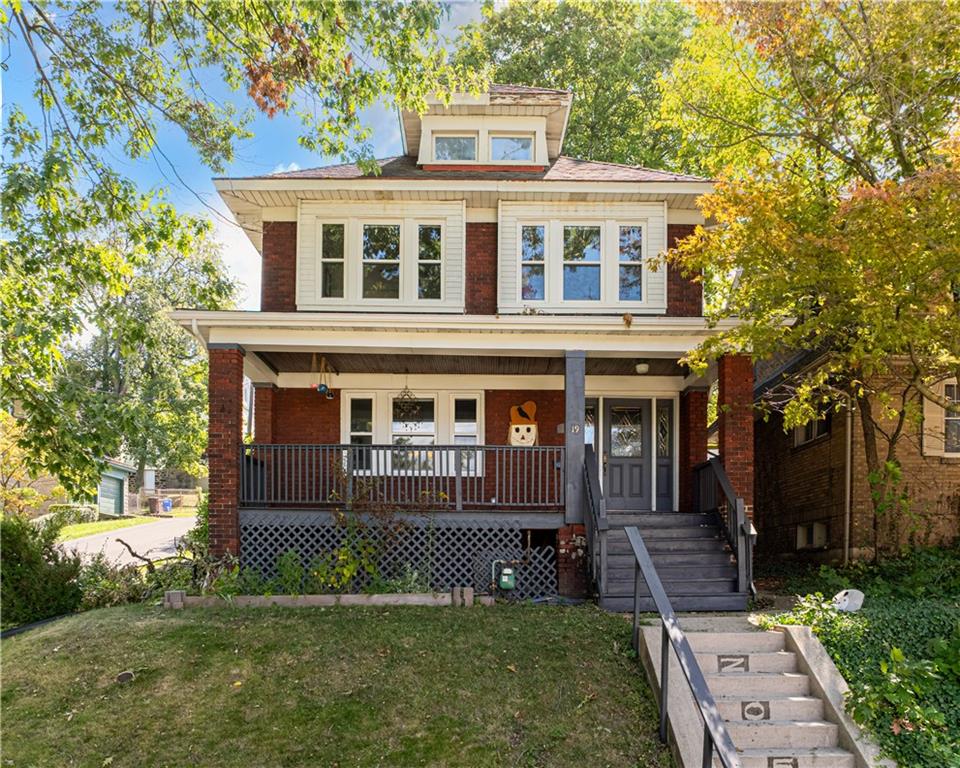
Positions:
(323, 377)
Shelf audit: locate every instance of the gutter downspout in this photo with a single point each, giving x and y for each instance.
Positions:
(848, 483)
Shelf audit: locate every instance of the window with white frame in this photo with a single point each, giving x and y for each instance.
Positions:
(533, 262)
(381, 261)
(429, 261)
(951, 420)
(466, 430)
(331, 260)
(630, 263)
(811, 431)
(582, 278)
(455, 148)
(413, 423)
(361, 429)
(511, 149)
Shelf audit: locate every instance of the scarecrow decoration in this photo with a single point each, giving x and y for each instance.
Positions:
(523, 424)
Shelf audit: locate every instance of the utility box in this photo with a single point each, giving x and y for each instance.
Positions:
(508, 579)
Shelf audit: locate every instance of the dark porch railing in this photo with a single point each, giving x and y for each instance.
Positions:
(433, 477)
(595, 520)
(714, 493)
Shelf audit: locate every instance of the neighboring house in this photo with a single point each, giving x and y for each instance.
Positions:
(812, 491)
(112, 489)
(454, 335)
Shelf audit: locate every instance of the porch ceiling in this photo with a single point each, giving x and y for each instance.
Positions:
(303, 362)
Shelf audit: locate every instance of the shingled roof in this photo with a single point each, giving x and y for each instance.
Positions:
(561, 169)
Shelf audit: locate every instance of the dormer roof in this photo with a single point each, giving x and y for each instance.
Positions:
(500, 100)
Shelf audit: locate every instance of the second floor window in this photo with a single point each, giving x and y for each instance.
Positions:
(951, 420)
(429, 264)
(511, 149)
(331, 261)
(381, 261)
(581, 263)
(533, 253)
(630, 276)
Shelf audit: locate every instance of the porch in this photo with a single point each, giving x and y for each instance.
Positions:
(409, 423)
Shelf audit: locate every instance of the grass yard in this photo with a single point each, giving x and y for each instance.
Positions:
(501, 686)
(79, 530)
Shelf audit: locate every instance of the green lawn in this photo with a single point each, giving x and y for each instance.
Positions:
(78, 530)
(508, 685)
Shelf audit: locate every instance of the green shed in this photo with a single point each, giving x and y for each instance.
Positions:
(112, 491)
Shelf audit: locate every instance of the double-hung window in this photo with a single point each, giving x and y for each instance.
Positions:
(630, 263)
(812, 430)
(331, 261)
(951, 420)
(381, 261)
(429, 264)
(361, 430)
(533, 262)
(413, 424)
(581, 262)
(455, 148)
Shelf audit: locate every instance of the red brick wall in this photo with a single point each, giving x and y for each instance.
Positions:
(278, 285)
(735, 412)
(263, 412)
(684, 297)
(550, 413)
(303, 416)
(224, 435)
(693, 442)
(481, 269)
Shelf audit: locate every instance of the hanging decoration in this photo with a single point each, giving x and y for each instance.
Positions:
(406, 405)
(323, 377)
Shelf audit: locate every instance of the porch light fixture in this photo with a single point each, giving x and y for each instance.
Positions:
(642, 367)
(406, 404)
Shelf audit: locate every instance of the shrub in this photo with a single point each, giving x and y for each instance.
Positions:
(71, 514)
(104, 584)
(197, 539)
(38, 579)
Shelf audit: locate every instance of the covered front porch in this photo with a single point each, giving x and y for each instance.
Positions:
(424, 424)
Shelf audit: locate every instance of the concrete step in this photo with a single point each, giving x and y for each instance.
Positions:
(619, 583)
(734, 601)
(777, 661)
(758, 684)
(736, 642)
(827, 757)
(791, 734)
(786, 708)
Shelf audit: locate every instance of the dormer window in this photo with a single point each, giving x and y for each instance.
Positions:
(511, 149)
(455, 148)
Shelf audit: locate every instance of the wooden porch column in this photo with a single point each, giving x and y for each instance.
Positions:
(693, 441)
(735, 416)
(263, 412)
(224, 435)
(574, 385)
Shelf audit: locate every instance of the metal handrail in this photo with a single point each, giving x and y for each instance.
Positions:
(595, 519)
(715, 734)
(736, 526)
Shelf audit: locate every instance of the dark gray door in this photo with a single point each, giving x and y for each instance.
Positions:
(663, 436)
(627, 454)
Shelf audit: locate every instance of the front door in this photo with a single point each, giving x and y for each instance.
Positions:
(627, 454)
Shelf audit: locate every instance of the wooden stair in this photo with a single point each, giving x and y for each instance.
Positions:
(693, 561)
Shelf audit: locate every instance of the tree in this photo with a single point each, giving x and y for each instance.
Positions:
(838, 212)
(609, 54)
(106, 82)
(152, 375)
(20, 491)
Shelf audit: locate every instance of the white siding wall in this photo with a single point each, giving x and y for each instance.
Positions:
(608, 215)
(451, 215)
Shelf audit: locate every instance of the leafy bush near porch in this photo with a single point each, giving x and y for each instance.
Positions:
(900, 653)
(38, 579)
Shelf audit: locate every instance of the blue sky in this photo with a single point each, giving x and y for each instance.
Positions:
(273, 147)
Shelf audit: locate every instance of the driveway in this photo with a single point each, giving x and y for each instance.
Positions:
(155, 540)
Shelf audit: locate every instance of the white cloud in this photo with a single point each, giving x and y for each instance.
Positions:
(281, 168)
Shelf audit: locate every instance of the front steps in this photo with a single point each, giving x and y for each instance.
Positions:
(693, 561)
(773, 718)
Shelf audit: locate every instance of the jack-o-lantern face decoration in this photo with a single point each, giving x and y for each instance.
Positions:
(523, 424)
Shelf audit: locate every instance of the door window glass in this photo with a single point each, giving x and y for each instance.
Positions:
(626, 432)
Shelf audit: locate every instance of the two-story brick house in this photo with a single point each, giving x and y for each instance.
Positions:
(465, 333)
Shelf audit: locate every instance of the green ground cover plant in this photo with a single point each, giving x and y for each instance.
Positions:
(513, 685)
(900, 653)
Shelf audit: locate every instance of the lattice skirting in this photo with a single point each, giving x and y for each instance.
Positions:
(451, 553)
